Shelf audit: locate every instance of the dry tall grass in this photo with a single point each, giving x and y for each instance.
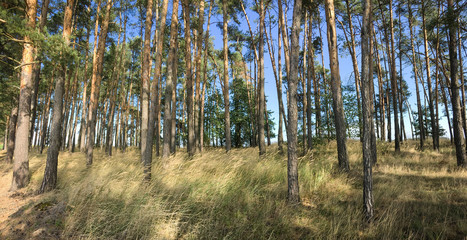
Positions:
(239, 195)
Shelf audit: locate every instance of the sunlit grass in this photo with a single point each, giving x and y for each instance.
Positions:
(240, 195)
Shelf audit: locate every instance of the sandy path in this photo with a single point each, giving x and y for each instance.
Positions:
(9, 202)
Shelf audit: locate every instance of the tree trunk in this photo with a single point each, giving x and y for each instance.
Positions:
(145, 88)
(71, 146)
(323, 75)
(336, 88)
(461, 73)
(128, 105)
(456, 106)
(394, 82)
(95, 84)
(169, 83)
(261, 103)
(282, 117)
(303, 81)
(285, 38)
(174, 103)
(310, 78)
(268, 130)
(5, 135)
(84, 112)
(403, 135)
(388, 102)
(292, 163)
(226, 77)
(11, 135)
(21, 152)
(199, 50)
(201, 118)
(368, 128)
(84, 103)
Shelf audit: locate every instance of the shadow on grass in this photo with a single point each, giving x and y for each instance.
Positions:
(243, 196)
(421, 207)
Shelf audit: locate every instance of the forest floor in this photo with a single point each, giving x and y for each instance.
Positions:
(240, 195)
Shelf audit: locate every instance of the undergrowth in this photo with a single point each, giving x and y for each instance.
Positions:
(241, 195)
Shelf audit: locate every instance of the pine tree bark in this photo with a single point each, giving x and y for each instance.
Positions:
(5, 135)
(463, 102)
(394, 82)
(174, 102)
(292, 161)
(285, 39)
(266, 119)
(338, 107)
(368, 127)
(71, 145)
(85, 110)
(95, 84)
(303, 81)
(199, 50)
(310, 79)
(282, 117)
(11, 135)
(403, 135)
(21, 152)
(226, 76)
(437, 75)
(169, 82)
(323, 78)
(145, 86)
(456, 106)
(261, 103)
(126, 118)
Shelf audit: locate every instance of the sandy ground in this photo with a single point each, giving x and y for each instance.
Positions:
(10, 202)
